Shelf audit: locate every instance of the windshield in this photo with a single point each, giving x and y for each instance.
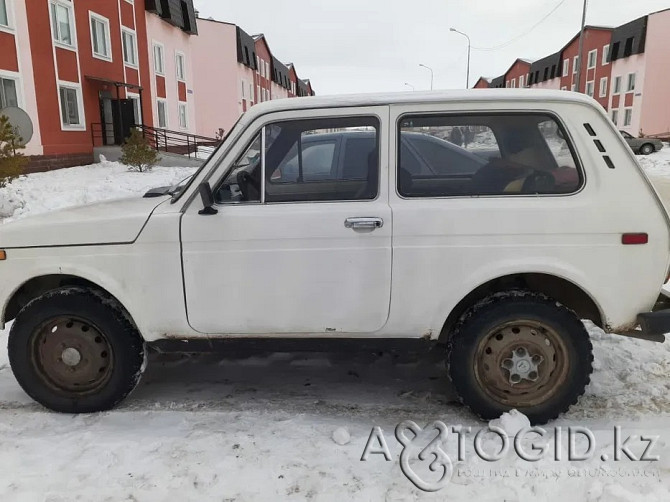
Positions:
(183, 185)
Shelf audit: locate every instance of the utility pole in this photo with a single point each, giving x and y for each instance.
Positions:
(581, 48)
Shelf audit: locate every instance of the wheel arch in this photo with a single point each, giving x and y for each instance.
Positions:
(37, 286)
(560, 289)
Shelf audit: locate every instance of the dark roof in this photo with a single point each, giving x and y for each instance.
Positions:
(545, 68)
(246, 49)
(302, 88)
(179, 13)
(280, 73)
(498, 82)
(629, 39)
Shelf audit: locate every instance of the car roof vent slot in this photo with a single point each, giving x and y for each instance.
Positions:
(608, 161)
(599, 145)
(590, 130)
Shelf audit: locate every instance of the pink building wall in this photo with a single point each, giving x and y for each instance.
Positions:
(655, 107)
(633, 100)
(554, 83)
(218, 76)
(173, 40)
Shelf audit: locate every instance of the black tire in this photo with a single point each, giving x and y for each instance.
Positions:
(647, 149)
(488, 336)
(89, 321)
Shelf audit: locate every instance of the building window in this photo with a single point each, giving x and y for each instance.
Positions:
(69, 106)
(100, 37)
(566, 67)
(183, 116)
(630, 86)
(589, 88)
(627, 116)
(8, 93)
(181, 67)
(603, 87)
(129, 47)
(617, 85)
(615, 117)
(162, 113)
(62, 23)
(573, 87)
(258, 63)
(4, 16)
(521, 81)
(251, 92)
(159, 59)
(513, 83)
(575, 63)
(267, 70)
(593, 58)
(606, 54)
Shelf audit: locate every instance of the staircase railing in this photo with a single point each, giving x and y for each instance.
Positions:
(179, 142)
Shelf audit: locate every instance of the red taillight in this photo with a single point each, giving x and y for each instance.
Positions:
(634, 239)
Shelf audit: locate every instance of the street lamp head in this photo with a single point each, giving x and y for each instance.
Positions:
(452, 29)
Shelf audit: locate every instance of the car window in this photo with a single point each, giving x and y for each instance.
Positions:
(442, 157)
(318, 159)
(322, 160)
(496, 154)
(626, 135)
(239, 185)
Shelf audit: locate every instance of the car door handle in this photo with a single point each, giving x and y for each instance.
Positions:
(364, 223)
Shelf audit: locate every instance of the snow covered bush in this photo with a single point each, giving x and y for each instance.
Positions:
(137, 153)
(12, 160)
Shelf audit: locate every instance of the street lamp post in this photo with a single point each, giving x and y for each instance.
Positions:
(431, 74)
(467, 74)
(410, 85)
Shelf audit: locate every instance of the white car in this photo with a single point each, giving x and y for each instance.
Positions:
(536, 216)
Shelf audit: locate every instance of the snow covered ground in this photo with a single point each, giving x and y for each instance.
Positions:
(294, 426)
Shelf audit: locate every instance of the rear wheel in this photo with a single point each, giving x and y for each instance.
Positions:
(75, 351)
(647, 149)
(520, 350)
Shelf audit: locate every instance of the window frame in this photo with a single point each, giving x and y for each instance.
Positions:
(94, 16)
(9, 27)
(616, 85)
(76, 87)
(615, 117)
(593, 88)
(136, 100)
(569, 139)
(16, 78)
(626, 110)
(127, 31)
(177, 56)
(164, 102)
(575, 63)
(566, 67)
(605, 56)
(161, 50)
(628, 78)
(182, 106)
(601, 93)
(55, 29)
(594, 54)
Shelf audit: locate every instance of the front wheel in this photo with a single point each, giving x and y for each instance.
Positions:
(74, 350)
(520, 350)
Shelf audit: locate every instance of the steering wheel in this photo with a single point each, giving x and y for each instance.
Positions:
(539, 181)
(244, 181)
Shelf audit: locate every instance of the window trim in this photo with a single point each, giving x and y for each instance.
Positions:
(182, 106)
(605, 56)
(615, 91)
(628, 89)
(157, 45)
(615, 117)
(586, 88)
(18, 82)
(108, 38)
(9, 9)
(579, 165)
(132, 32)
(600, 91)
(80, 106)
(595, 59)
(566, 67)
(177, 55)
(575, 62)
(627, 109)
(158, 113)
(69, 5)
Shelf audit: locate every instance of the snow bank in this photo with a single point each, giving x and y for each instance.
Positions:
(44, 192)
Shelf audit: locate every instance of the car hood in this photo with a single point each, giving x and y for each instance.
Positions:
(112, 222)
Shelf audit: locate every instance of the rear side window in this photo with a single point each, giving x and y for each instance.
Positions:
(478, 155)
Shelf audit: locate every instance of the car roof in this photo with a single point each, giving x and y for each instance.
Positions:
(419, 97)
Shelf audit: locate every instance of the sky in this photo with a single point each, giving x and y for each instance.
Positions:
(349, 46)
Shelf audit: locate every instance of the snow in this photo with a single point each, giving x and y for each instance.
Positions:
(276, 426)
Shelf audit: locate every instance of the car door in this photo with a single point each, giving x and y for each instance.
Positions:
(292, 256)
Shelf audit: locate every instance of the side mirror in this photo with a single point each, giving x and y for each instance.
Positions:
(207, 199)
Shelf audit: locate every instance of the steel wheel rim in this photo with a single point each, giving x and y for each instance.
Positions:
(521, 363)
(72, 356)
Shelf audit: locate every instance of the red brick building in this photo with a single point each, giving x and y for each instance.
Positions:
(518, 74)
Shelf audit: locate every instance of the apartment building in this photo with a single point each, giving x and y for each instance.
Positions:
(87, 71)
(626, 69)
